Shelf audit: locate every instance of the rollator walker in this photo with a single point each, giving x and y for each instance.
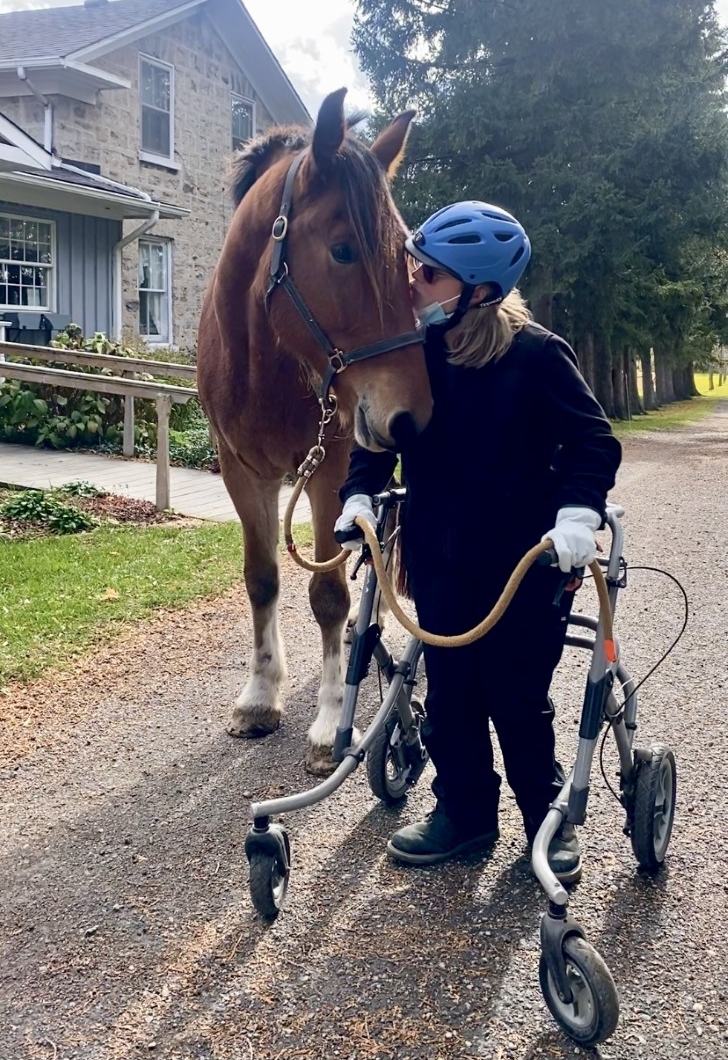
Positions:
(576, 983)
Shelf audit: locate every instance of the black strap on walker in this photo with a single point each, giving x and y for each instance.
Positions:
(280, 277)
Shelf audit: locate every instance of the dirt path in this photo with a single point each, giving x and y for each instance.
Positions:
(126, 926)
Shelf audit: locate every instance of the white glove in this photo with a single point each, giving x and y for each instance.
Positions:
(573, 537)
(358, 504)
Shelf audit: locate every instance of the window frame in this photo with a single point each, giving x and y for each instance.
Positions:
(51, 269)
(166, 244)
(144, 154)
(250, 103)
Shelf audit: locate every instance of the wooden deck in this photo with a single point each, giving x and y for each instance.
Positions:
(199, 494)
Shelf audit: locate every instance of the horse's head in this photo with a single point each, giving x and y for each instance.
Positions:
(344, 251)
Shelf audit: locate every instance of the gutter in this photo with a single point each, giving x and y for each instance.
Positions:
(93, 194)
(136, 233)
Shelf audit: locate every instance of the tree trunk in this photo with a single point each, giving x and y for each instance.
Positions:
(585, 353)
(603, 387)
(678, 382)
(618, 385)
(543, 310)
(649, 398)
(663, 378)
(636, 407)
(711, 384)
(683, 382)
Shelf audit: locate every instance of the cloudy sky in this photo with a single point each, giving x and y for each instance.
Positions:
(310, 38)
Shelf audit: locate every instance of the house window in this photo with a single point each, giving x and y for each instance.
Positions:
(156, 95)
(27, 261)
(243, 113)
(155, 301)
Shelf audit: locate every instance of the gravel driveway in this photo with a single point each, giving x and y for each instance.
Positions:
(126, 926)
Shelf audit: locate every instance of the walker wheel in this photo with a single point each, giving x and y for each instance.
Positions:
(388, 771)
(268, 884)
(593, 1012)
(653, 808)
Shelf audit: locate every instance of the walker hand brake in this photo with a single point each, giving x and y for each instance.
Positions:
(364, 555)
(550, 559)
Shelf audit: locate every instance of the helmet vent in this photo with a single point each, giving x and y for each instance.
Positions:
(453, 224)
(471, 237)
(504, 237)
(519, 254)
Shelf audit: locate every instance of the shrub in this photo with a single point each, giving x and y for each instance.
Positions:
(80, 488)
(44, 510)
(191, 448)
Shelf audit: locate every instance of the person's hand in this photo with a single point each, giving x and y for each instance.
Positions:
(573, 537)
(346, 532)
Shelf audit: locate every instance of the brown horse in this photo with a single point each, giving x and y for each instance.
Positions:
(259, 364)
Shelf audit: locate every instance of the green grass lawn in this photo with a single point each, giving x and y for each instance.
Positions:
(58, 595)
(679, 414)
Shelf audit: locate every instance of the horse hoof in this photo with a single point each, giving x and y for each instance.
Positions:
(319, 761)
(252, 722)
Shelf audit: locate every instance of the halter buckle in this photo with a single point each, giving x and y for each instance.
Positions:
(279, 230)
(337, 362)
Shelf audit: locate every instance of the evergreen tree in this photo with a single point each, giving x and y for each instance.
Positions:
(603, 128)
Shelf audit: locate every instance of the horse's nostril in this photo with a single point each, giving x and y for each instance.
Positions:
(402, 429)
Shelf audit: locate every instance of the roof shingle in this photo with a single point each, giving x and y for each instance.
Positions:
(56, 32)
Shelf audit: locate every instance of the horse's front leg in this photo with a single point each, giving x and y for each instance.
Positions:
(329, 597)
(258, 708)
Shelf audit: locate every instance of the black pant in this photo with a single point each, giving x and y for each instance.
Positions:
(504, 677)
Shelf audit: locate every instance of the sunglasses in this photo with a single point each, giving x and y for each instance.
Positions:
(428, 272)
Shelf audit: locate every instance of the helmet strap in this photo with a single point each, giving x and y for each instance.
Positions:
(461, 308)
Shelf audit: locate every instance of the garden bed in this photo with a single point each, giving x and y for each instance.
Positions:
(77, 507)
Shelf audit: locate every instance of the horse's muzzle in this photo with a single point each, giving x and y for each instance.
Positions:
(401, 430)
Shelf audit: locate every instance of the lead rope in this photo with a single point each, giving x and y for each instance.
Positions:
(314, 460)
(309, 467)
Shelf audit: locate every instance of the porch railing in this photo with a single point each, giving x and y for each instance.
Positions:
(163, 394)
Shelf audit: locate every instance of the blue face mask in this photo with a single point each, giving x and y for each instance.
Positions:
(435, 313)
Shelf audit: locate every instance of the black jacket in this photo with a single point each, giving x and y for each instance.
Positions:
(508, 445)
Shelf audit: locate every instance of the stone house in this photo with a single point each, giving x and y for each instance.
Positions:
(112, 113)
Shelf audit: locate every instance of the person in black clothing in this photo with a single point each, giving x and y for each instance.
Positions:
(517, 449)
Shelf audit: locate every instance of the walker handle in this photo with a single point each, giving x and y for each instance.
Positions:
(548, 558)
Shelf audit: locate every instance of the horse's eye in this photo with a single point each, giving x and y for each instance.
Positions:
(344, 253)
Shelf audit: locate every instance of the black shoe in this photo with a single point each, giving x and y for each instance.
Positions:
(564, 853)
(439, 838)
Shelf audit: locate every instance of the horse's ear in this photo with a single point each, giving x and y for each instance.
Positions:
(330, 130)
(390, 144)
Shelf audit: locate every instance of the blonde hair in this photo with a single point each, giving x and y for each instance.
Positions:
(484, 334)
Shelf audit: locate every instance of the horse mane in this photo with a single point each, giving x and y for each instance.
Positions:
(258, 153)
(370, 209)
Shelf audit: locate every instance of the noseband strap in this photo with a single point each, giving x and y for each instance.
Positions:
(280, 277)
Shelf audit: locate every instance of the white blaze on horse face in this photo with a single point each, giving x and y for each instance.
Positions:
(323, 731)
(269, 667)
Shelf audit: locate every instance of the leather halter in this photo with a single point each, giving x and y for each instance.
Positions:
(280, 277)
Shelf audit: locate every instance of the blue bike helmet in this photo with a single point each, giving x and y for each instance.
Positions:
(476, 242)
